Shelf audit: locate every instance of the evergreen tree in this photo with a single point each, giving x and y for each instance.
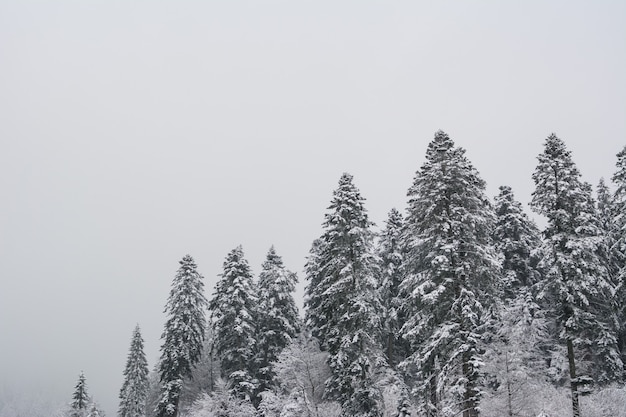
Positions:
(134, 391)
(618, 247)
(516, 237)
(183, 335)
(391, 255)
(452, 274)
(576, 275)
(95, 411)
(619, 179)
(521, 343)
(278, 321)
(80, 398)
(233, 317)
(342, 304)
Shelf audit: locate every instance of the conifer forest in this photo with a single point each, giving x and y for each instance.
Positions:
(458, 305)
(312, 208)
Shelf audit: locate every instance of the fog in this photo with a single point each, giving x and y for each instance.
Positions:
(133, 133)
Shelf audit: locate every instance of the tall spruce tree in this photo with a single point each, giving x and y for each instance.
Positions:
(80, 398)
(452, 273)
(134, 391)
(391, 254)
(342, 304)
(576, 281)
(233, 318)
(183, 335)
(618, 248)
(278, 321)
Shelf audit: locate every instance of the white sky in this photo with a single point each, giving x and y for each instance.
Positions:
(134, 132)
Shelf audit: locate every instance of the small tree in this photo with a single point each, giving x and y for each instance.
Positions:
(233, 318)
(391, 254)
(80, 398)
(278, 321)
(134, 391)
(302, 370)
(516, 237)
(221, 403)
(183, 335)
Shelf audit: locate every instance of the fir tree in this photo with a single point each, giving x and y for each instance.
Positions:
(516, 237)
(183, 335)
(233, 317)
(576, 276)
(80, 398)
(342, 305)
(134, 391)
(278, 321)
(521, 341)
(391, 255)
(618, 247)
(451, 277)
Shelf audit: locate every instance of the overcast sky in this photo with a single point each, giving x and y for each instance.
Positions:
(135, 132)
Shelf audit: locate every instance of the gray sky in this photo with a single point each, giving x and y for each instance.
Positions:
(132, 133)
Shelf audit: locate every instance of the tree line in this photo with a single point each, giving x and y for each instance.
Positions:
(459, 306)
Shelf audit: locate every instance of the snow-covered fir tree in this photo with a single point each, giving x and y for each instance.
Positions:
(342, 305)
(575, 283)
(391, 254)
(607, 212)
(134, 389)
(233, 318)
(278, 321)
(618, 248)
(516, 237)
(452, 273)
(183, 335)
(520, 344)
(80, 398)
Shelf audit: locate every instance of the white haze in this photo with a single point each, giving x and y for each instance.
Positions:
(132, 133)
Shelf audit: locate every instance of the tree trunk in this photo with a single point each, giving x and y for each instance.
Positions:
(433, 403)
(390, 340)
(572, 376)
(509, 392)
(469, 396)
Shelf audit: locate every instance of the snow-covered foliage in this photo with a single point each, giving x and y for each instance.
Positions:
(203, 376)
(618, 247)
(517, 353)
(134, 389)
(221, 402)
(576, 287)
(390, 251)
(517, 238)
(461, 308)
(183, 336)
(302, 370)
(234, 322)
(80, 398)
(343, 306)
(542, 399)
(278, 321)
(452, 274)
